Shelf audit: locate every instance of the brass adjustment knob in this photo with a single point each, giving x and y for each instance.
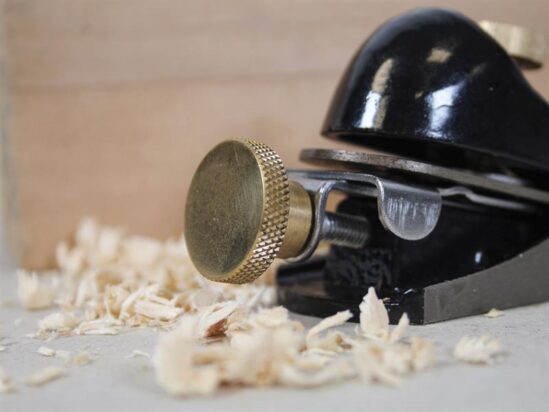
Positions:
(242, 212)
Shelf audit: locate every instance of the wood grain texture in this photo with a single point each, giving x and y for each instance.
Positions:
(114, 102)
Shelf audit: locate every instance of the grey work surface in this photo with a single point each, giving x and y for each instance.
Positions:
(519, 382)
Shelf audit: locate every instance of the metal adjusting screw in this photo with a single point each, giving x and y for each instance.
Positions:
(242, 212)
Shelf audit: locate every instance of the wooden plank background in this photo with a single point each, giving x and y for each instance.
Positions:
(114, 102)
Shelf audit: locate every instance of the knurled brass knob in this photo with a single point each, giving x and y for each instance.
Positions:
(242, 212)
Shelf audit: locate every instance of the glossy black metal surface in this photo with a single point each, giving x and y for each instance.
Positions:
(431, 84)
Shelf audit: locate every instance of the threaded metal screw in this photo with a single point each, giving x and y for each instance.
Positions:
(345, 230)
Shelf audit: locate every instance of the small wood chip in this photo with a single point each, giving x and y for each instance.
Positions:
(37, 291)
(482, 350)
(99, 327)
(153, 310)
(494, 313)
(213, 321)
(82, 358)
(137, 353)
(45, 375)
(374, 320)
(58, 322)
(45, 351)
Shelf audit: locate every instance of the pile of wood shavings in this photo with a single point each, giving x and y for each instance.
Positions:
(219, 335)
(265, 347)
(108, 281)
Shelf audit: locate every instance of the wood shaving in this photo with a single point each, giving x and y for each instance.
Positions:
(400, 330)
(37, 291)
(45, 351)
(335, 371)
(477, 350)
(49, 352)
(335, 320)
(213, 321)
(99, 327)
(423, 353)
(389, 362)
(334, 341)
(82, 358)
(59, 323)
(494, 313)
(379, 362)
(175, 366)
(374, 320)
(5, 383)
(138, 353)
(46, 375)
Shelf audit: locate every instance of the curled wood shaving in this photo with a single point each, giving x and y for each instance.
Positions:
(175, 366)
(155, 310)
(37, 291)
(400, 330)
(213, 321)
(423, 353)
(477, 350)
(374, 320)
(334, 371)
(105, 326)
(389, 362)
(334, 341)
(376, 361)
(336, 320)
(58, 322)
(45, 375)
